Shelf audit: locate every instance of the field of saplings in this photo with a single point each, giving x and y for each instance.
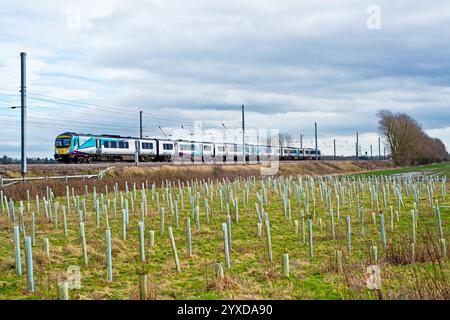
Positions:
(288, 237)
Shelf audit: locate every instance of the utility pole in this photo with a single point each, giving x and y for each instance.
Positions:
(23, 105)
(371, 155)
(301, 145)
(315, 134)
(243, 135)
(379, 149)
(140, 125)
(357, 146)
(384, 154)
(334, 148)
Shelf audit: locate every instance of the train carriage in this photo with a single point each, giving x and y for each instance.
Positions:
(307, 155)
(116, 148)
(147, 149)
(188, 151)
(220, 152)
(73, 147)
(208, 152)
(293, 154)
(250, 153)
(166, 150)
(285, 153)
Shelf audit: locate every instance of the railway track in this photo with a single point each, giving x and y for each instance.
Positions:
(99, 165)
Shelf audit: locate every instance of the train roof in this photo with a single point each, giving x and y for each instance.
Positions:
(174, 140)
(106, 135)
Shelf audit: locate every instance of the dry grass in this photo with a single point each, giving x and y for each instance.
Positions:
(159, 174)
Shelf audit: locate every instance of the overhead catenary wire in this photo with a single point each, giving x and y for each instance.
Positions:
(99, 107)
(63, 121)
(81, 104)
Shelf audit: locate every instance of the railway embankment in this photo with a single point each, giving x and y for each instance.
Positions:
(149, 173)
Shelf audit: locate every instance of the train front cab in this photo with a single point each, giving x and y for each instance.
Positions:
(64, 147)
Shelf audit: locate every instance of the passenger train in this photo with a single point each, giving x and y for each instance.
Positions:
(87, 148)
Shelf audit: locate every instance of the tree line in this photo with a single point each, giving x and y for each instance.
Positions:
(8, 160)
(408, 142)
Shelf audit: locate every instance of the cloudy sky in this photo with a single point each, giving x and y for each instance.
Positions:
(92, 65)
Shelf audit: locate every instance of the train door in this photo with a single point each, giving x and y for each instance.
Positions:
(98, 146)
(138, 150)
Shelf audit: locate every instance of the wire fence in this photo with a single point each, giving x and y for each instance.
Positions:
(4, 182)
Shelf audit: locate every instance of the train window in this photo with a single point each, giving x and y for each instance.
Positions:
(63, 142)
(123, 144)
(147, 145)
(221, 148)
(106, 144)
(185, 146)
(167, 146)
(113, 144)
(207, 148)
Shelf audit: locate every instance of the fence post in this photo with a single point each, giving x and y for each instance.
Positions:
(311, 244)
(226, 247)
(143, 291)
(174, 249)
(268, 239)
(17, 250)
(141, 240)
(108, 255)
(286, 265)
(188, 237)
(219, 270)
(29, 258)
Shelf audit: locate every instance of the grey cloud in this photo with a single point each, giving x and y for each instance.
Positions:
(291, 64)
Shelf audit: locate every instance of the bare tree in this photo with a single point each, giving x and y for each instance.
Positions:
(285, 139)
(407, 141)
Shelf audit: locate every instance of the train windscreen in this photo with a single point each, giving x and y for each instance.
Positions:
(63, 142)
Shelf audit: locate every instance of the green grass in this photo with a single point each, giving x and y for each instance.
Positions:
(437, 168)
(252, 275)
